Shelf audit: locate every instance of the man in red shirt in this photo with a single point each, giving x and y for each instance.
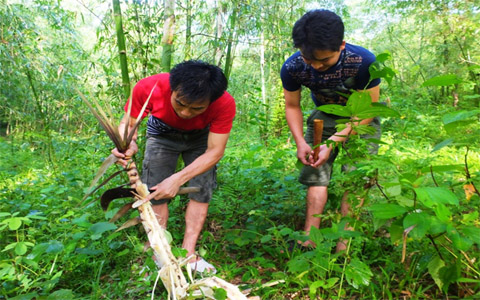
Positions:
(191, 114)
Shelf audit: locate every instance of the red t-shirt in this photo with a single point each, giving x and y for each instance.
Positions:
(219, 114)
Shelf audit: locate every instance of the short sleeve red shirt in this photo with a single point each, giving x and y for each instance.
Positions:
(219, 114)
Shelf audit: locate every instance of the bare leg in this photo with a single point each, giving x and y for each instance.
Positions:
(344, 210)
(194, 220)
(316, 200)
(161, 212)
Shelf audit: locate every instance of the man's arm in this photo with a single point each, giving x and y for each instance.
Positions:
(294, 116)
(169, 187)
(341, 136)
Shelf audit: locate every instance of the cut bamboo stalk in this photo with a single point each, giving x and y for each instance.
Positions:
(170, 269)
(317, 137)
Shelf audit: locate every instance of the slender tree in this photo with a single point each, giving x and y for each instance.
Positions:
(168, 33)
(188, 31)
(229, 58)
(117, 13)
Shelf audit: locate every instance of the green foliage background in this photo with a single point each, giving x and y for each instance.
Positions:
(417, 234)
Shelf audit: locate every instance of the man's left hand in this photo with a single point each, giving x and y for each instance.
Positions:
(323, 156)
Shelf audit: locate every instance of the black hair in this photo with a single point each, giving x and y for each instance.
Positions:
(197, 81)
(318, 29)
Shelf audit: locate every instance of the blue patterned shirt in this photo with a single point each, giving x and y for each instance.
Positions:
(350, 72)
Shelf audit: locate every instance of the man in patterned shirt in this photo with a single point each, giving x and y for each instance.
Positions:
(330, 68)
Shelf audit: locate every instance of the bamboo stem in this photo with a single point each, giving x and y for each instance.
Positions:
(170, 269)
(317, 137)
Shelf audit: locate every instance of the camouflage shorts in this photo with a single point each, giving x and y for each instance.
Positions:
(320, 176)
(161, 156)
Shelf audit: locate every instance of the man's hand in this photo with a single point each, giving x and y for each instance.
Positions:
(305, 153)
(124, 157)
(323, 156)
(168, 188)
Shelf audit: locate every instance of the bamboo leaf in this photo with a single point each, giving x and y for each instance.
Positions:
(111, 159)
(442, 80)
(130, 223)
(111, 131)
(139, 117)
(121, 212)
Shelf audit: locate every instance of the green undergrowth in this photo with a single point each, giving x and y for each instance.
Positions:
(416, 235)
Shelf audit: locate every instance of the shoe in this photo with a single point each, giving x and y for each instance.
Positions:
(203, 266)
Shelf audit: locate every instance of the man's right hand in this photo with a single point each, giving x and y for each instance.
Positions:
(124, 157)
(305, 153)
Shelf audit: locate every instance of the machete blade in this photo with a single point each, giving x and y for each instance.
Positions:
(115, 193)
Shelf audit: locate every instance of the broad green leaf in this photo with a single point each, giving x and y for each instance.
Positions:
(4, 214)
(335, 109)
(461, 115)
(442, 144)
(220, 294)
(383, 57)
(421, 222)
(472, 233)
(448, 275)
(14, 223)
(404, 201)
(396, 233)
(28, 296)
(20, 248)
(430, 196)
(377, 111)
(266, 238)
(434, 267)
(285, 231)
(469, 218)
(314, 287)
(376, 141)
(101, 227)
(365, 129)
(358, 273)
(325, 284)
(88, 251)
(436, 226)
(358, 102)
(298, 265)
(316, 235)
(61, 295)
(54, 247)
(442, 212)
(458, 240)
(330, 282)
(455, 127)
(386, 210)
(444, 168)
(442, 80)
(392, 188)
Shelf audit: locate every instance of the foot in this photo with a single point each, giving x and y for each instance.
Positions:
(202, 266)
(341, 246)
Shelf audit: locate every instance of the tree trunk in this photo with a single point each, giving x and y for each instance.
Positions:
(188, 31)
(117, 14)
(218, 51)
(168, 33)
(229, 58)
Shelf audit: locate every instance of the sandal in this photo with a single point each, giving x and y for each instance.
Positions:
(203, 266)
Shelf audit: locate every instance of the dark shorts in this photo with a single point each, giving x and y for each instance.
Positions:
(161, 156)
(320, 176)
